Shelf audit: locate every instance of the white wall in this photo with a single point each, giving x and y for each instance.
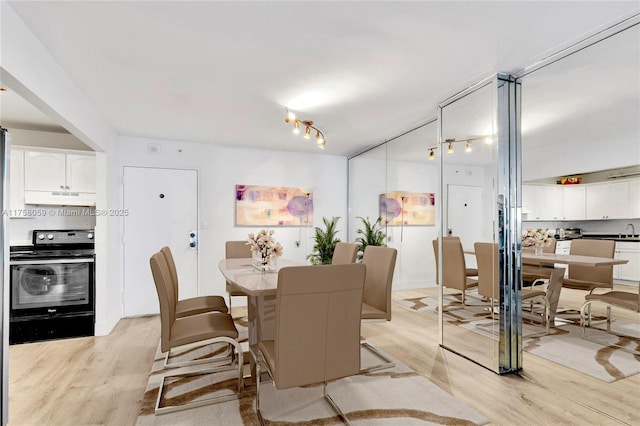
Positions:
(220, 168)
(33, 73)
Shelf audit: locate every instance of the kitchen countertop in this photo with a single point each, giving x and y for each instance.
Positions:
(615, 237)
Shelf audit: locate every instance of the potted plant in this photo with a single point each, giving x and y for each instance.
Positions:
(325, 242)
(370, 235)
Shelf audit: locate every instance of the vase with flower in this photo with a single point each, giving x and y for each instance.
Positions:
(264, 249)
(538, 239)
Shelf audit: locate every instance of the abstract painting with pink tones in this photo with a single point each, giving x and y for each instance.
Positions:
(408, 208)
(273, 206)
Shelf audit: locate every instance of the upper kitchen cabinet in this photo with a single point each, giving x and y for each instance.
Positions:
(59, 178)
(634, 197)
(543, 202)
(574, 207)
(608, 200)
(16, 178)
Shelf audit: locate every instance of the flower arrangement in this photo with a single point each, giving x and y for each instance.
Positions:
(264, 247)
(537, 237)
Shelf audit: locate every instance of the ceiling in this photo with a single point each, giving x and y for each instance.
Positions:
(223, 72)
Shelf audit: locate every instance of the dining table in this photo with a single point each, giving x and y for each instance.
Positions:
(260, 287)
(557, 274)
(555, 260)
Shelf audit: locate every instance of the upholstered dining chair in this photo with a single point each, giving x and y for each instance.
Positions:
(344, 253)
(489, 282)
(590, 277)
(376, 304)
(235, 250)
(621, 299)
(205, 328)
(454, 270)
(317, 335)
(532, 273)
(193, 305)
(469, 272)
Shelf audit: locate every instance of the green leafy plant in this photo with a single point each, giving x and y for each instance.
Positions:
(370, 235)
(325, 242)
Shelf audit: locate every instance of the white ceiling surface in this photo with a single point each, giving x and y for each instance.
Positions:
(222, 72)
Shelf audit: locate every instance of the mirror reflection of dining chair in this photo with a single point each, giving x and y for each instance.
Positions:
(194, 305)
(235, 250)
(454, 269)
(536, 274)
(317, 335)
(376, 304)
(489, 284)
(344, 253)
(206, 328)
(621, 299)
(590, 278)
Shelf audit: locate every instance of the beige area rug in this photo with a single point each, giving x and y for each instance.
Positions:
(604, 361)
(395, 396)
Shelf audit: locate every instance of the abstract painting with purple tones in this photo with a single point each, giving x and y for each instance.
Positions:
(408, 208)
(273, 206)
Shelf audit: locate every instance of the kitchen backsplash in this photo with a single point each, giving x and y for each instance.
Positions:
(611, 226)
(49, 217)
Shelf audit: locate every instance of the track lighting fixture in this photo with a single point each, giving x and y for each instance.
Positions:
(308, 124)
(485, 139)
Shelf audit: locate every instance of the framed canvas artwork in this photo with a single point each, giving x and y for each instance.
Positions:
(273, 206)
(407, 208)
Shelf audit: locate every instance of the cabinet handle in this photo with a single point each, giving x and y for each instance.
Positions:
(66, 187)
(61, 186)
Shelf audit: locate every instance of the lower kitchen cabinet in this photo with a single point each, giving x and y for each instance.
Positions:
(630, 271)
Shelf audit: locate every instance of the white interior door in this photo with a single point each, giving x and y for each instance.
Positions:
(465, 213)
(162, 207)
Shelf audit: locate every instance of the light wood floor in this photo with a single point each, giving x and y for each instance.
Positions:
(101, 380)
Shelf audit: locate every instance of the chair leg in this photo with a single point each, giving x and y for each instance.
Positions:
(586, 307)
(214, 369)
(388, 363)
(335, 406)
(223, 359)
(258, 412)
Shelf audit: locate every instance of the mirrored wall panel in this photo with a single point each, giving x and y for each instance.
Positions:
(469, 249)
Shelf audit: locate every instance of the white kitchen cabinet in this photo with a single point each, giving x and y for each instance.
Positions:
(608, 200)
(628, 251)
(59, 178)
(634, 198)
(542, 202)
(16, 182)
(574, 203)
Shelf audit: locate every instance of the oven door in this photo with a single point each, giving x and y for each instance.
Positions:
(51, 286)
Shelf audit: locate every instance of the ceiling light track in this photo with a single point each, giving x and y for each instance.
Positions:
(486, 141)
(308, 127)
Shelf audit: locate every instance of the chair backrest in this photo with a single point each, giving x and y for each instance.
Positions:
(344, 253)
(599, 248)
(236, 250)
(488, 270)
(380, 263)
(173, 272)
(453, 266)
(317, 335)
(166, 297)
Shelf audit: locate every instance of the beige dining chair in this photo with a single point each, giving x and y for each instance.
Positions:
(376, 304)
(454, 270)
(207, 328)
(317, 331)
(235, 250)
(489, 282)
(194, 305)
(344, 253)
(621, 299)
(536, 274)
(590, 278)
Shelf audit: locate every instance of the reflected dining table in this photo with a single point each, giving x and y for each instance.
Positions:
(555, 281)
(260, 288)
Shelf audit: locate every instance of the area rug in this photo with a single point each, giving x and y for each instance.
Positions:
(605, 361)
(393, 396)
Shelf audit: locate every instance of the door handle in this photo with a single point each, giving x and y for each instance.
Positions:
(193, 240)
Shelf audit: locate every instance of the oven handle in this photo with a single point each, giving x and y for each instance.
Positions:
(50, 261)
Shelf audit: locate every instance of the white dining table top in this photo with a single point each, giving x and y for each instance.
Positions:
(242, 275)
(566, 259)
(570, 259)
